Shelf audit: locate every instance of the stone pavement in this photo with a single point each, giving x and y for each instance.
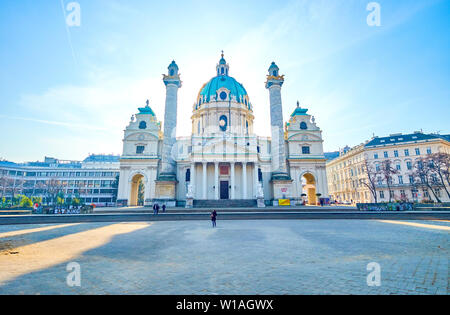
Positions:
(239, 257)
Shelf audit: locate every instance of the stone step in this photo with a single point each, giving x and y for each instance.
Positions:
(15, 212)
(248, 203)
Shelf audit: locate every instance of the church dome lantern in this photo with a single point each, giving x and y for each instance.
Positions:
(223, 88)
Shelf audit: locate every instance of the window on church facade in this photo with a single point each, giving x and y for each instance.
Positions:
(188, 175)
(140, 149)
(306, 150)
(142, 125)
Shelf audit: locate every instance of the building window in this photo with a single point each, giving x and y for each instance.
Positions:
(382, 194)
(380, 182)
(375, 156)
(398, 167)
(306, 150)
(386, 155)
(409, 165)
(434, 178)
(406, 152)
(140, 149)
(377, 167)
(142, 125)
(400, 180)
(417, 151)
(303, 126)
(429, 151)
(420, 165)
(223, 123)
(188, 175)
(396, 153)
(411, 179)
(260, 175)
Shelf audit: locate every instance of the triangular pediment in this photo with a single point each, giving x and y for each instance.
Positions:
(304, 136)
(141, 136)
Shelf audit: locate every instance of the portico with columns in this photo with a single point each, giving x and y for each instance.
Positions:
(216, 180)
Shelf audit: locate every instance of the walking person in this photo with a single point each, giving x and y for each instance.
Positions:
(164, 208)
(213, 218)
(157, 208)
(154, 208)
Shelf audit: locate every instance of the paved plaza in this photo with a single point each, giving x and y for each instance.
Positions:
(239, 257)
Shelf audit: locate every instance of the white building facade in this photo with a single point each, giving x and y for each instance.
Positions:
(223, 162)
(346, 174)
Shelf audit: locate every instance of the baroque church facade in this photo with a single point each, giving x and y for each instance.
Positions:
(223, 162)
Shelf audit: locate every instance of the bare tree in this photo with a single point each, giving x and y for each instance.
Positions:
(387, 172)
(81, 189)
(371, 181)
(39, 188)
(440, 163)
(15, 186)
(53, 187)
(3, 184)
(425, 176)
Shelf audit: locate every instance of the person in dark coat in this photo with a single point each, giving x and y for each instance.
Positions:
(155, 208)
(213, 218)
(164, 208)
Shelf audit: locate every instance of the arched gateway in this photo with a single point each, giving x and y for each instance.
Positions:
(137, 190)
(309, 188)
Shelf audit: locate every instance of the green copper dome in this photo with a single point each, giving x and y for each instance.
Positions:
(299, 111)
(146, 110)
(210, 89)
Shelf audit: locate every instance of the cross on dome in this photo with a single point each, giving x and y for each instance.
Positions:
(222, 67)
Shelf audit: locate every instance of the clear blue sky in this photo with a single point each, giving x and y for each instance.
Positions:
(66, 92)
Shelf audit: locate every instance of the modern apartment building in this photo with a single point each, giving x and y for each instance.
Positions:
(93, 180)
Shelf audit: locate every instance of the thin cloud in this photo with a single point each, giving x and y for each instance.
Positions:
(57, 123)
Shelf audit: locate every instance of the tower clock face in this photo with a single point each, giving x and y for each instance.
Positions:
(223, 123)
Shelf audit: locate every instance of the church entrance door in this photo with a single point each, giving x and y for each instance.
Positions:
(224, 190)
